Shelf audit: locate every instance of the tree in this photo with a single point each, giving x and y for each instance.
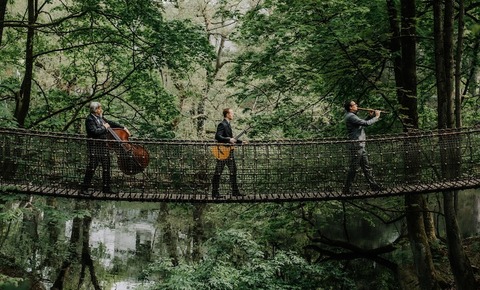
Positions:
(448, 104)
(3, 11)
(404, 43)
(106, 52)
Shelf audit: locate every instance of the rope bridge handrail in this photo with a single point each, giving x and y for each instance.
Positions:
(53, 164)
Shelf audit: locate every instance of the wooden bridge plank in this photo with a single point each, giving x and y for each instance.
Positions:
(196, 198)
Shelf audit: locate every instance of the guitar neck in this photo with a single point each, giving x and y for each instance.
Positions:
(239, 135)
(243, 132)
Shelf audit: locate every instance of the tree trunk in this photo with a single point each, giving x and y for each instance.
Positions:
(87, 261)
(168, 237)
(72, 257)
(419, 244)
(3, 11)
(408, 100)
(459, 262)
(429, 222)
(22, 103)
(396, 48)
(458, 64)
(198, 231)
(53, 233)
(448, 61)
(440, 73)
(473, 70)
(443, 41)
(201, 118)
(30, 235)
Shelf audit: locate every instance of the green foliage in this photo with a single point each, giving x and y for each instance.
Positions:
(312, 57)
(8, 283)
(295, 64)
(263, 247)
(112, 52)
(235, 261)
(28, 232)
(10, 214)
(7, 119)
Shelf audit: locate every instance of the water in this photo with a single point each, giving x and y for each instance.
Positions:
(126, 236)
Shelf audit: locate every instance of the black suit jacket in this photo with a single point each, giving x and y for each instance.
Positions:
(95, 128)
(224, 133)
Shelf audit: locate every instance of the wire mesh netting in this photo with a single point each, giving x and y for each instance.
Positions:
(180, 170)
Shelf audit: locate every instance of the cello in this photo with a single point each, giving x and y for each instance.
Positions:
(131, 158)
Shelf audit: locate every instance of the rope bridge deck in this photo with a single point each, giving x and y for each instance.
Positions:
(53, 164)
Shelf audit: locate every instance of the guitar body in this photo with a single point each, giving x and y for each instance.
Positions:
(222, 152)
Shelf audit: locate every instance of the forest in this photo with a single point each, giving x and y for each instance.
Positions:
(167, 69)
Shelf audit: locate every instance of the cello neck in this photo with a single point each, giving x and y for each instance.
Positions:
(114, 135)
(117, 138)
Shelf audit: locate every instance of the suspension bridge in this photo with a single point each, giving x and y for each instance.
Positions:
(53, 164)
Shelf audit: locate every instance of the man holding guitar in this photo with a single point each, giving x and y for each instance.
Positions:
(225, 154)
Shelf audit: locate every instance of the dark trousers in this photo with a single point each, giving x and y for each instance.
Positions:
(232, 167)
(359, 158)
(97, 153)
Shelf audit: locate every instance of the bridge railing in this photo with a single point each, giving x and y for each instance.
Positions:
(54, 163)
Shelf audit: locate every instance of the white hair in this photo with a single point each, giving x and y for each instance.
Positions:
(94, 106)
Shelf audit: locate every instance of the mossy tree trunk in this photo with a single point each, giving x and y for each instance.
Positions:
(449, 117)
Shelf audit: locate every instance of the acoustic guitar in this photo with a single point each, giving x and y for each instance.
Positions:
(221, 151)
